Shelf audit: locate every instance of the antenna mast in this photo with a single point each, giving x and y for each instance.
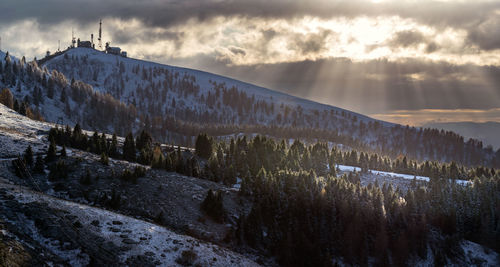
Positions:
(58, 45)
(100, 34)
(73, 41)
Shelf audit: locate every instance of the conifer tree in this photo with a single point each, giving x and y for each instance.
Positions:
(129, 148)
(28, 156)
(213, 205)
(63, 151)
(113, 148)
(203, 146)
(39, 165)
(52, 151)
(104, 159)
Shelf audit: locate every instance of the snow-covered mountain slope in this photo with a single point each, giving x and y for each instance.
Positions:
(105, 71)
(17, 132)
(171, 99)
(120, 239)
(115, 94)
(162, 94)
(60, 232)
(87, 234)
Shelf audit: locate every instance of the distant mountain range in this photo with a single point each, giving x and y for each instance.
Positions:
(488, 132)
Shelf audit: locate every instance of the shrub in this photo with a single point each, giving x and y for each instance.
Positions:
(86, 179)
(213, 206)
(104, 159)
(58, 171)
(187, 258)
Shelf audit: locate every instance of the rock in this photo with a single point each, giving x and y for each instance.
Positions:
(95, 223)
(130, 241)
(149, 253)
(125, 248)
(124, 236)
(114, 229)
(117, 223)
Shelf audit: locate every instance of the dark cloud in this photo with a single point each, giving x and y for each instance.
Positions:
(410, 38)
(487, 34)
(431, 47)
(237, 51)
(124, 36)
(407, 38)
(310, 43)
(269, 34)
(164, 14)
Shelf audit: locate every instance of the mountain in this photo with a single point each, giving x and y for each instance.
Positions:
(162, 93)
(114, 94)
(487, 132)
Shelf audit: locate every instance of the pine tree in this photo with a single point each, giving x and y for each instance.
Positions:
(129, 148)
(52, 151)
(203, 146)
(144, 140)
(86, 179)
(39, 165)
(104, 159)
(63, 97)
(113, 148)
(63, 151)
(213, 206)
(28, 156)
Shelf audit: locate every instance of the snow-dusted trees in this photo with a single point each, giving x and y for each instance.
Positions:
(6, 98)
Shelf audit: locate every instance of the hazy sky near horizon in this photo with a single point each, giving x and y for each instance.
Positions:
(403, 61)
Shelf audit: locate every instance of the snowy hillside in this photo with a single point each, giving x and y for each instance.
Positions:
(105, 73)
(64, 220)
(176, 103)
(162, 94)
(122, 238)
(114, 94)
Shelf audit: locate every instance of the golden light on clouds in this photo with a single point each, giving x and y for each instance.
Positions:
(423, 116)
(247, 41)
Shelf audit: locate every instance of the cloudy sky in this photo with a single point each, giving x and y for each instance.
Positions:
(404, 61)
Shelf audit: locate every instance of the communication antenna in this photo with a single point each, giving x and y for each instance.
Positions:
(0, 43)
(100, 34)
(58, 45)
(91, 39)
(73, 41)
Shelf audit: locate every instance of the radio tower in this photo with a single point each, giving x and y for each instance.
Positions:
(100, 34)
(73, 41)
